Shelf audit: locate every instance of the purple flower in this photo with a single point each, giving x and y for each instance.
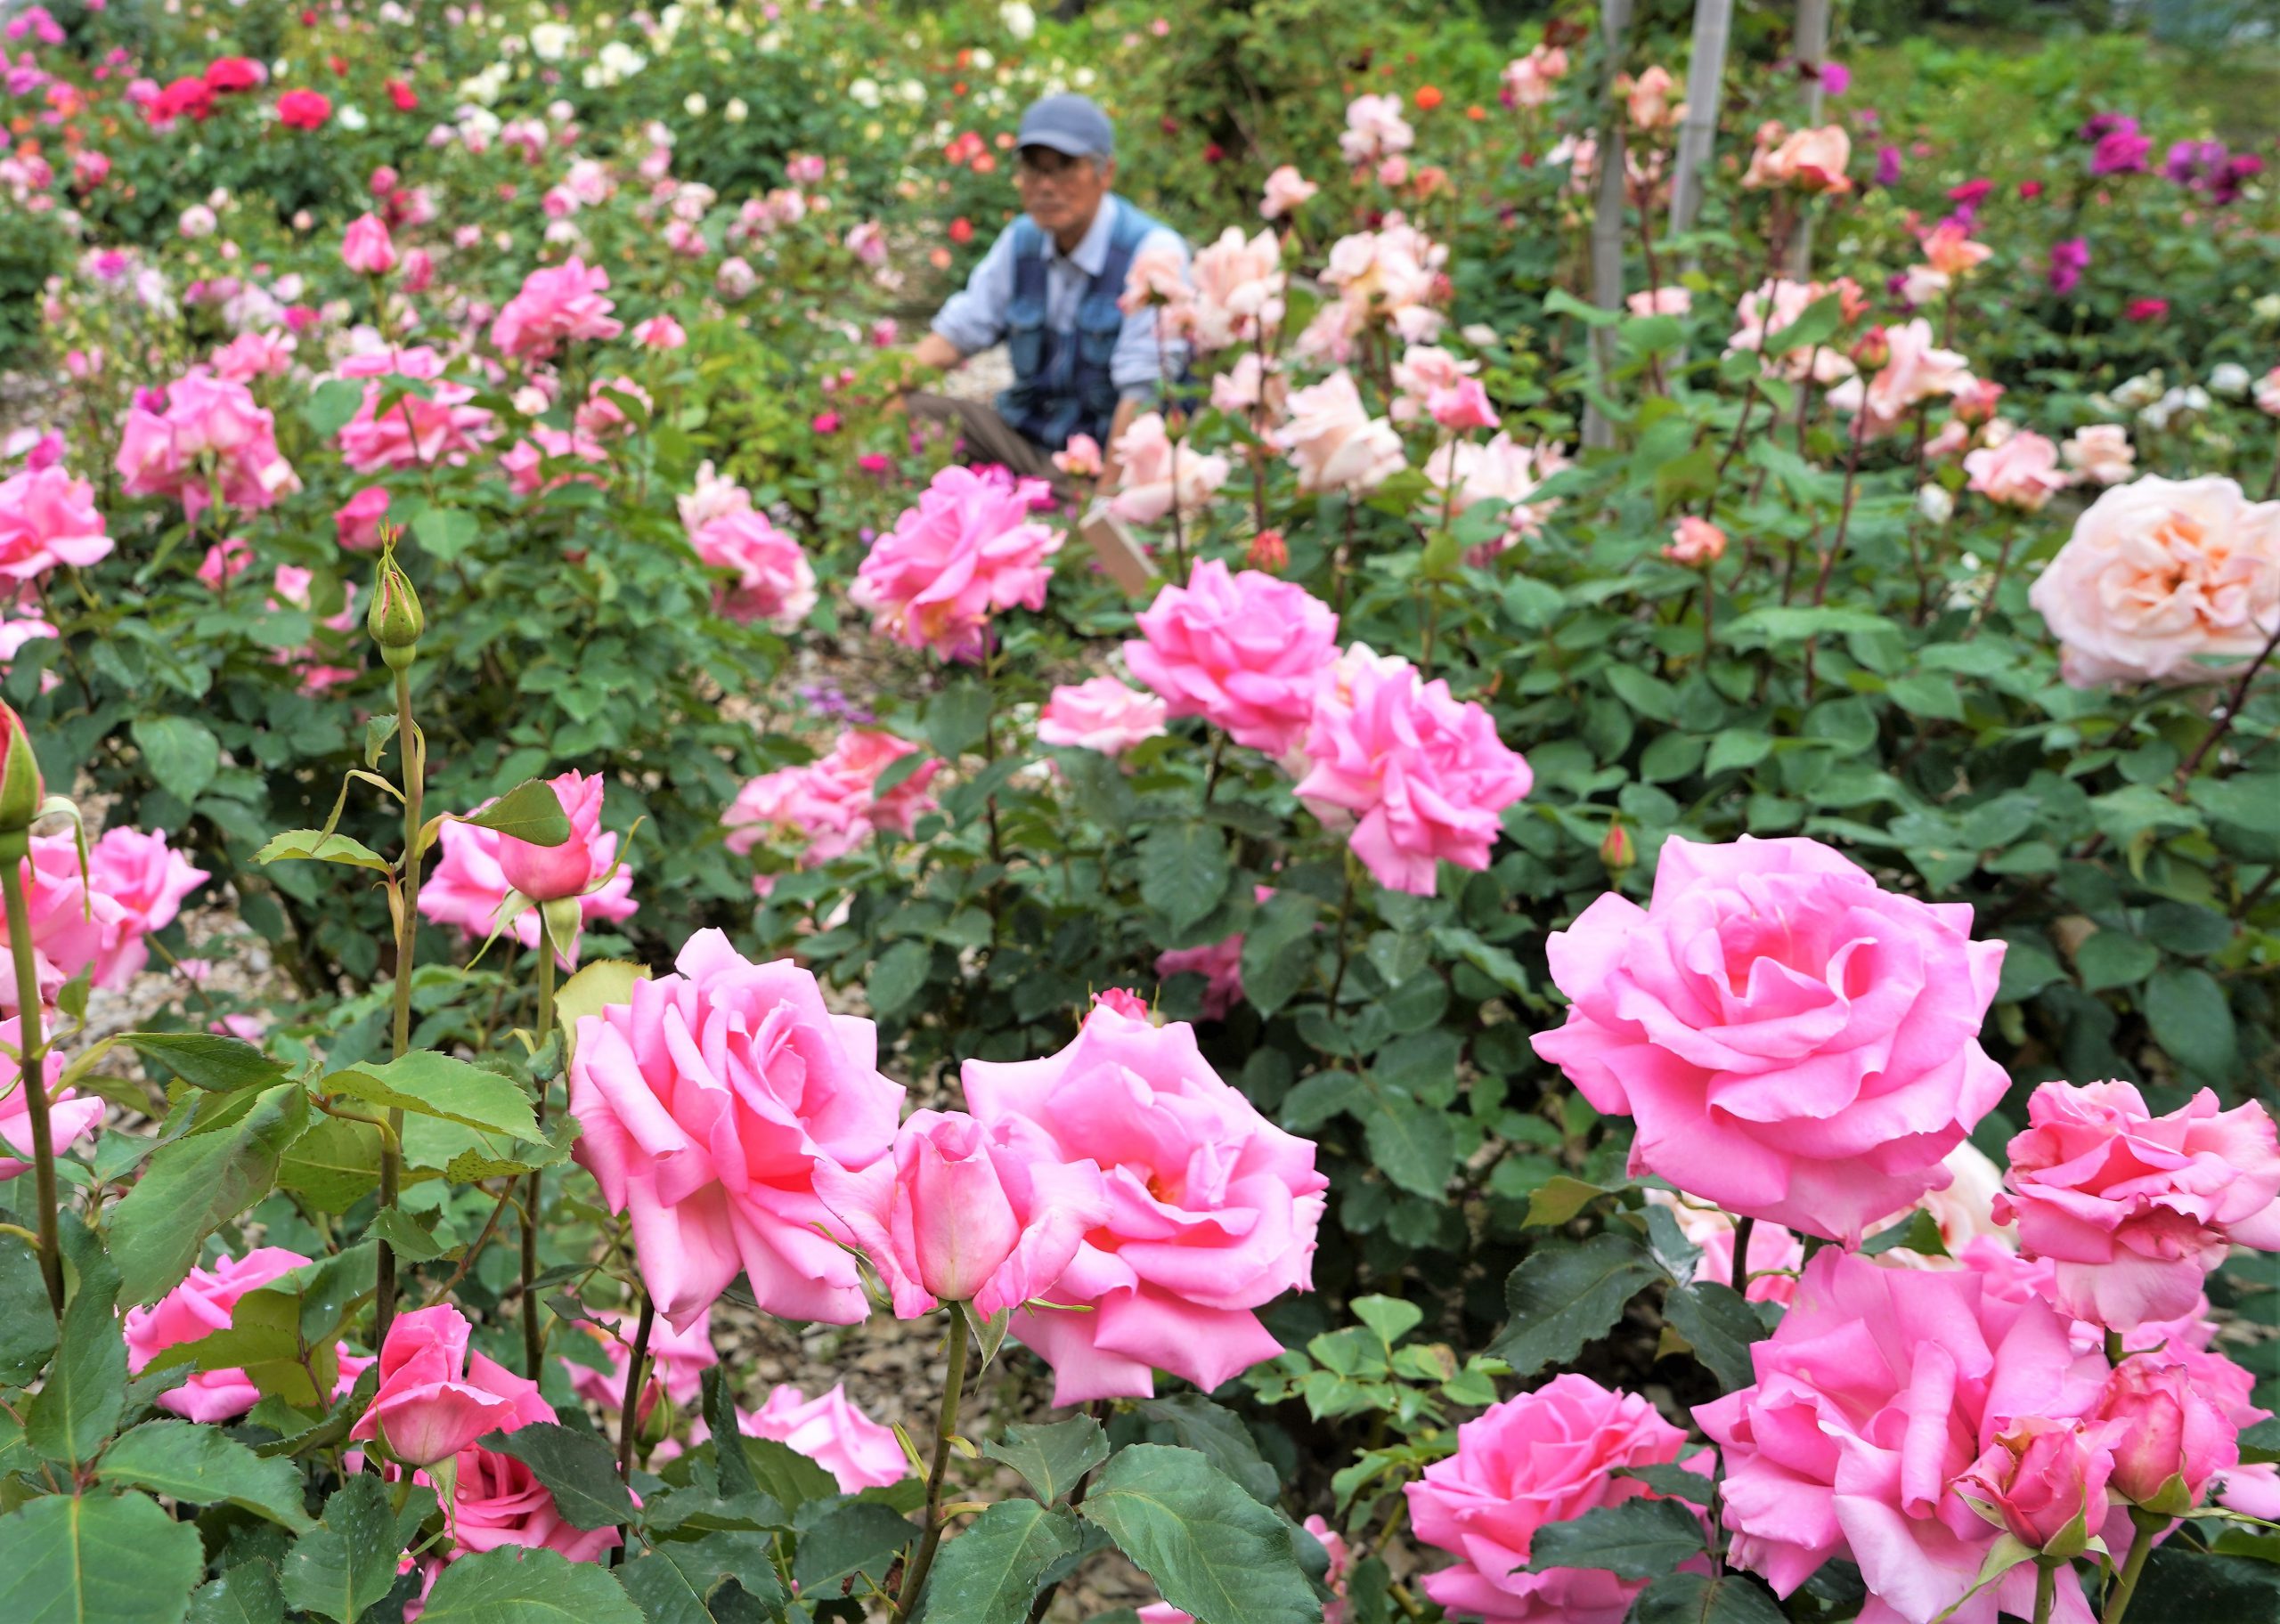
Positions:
(2120, 148)
(1887, 165)
(2069, 258)
(2192, 162)
(1835, 79)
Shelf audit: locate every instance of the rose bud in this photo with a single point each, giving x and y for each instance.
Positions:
(1269, 552)
(426, 1411)
(22, 791)
(2172, 1440)
(395, 620)
(2044, 1482)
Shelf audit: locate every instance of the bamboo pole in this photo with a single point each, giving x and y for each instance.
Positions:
(1697, 139)
(1607, 216)
(1812, 52)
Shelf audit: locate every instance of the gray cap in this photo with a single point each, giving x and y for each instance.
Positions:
(1070, 124)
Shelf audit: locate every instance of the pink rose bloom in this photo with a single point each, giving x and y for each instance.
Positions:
(1252, 389)
(967, 550)
(1157, 474)
(557, 303)
(2160, 579)
(1422, 369)
(1696, 542)
(1773, 308)
(1244, 651)
(1212, 1213)
(2135, 1209)
(1221, 966)
(2172, 1437)
(712, 497)
(544, 873)
(2022, 472)
(523, 462)
(147, 880)
(660, 332)
(202, 1305)
(1461, 405)
(1808, 160)
(1080, 458)
(679, 1360)
(47, 519)
(709, 1105)
(1341, 1562)
(415, 431)
(1286, 190)
(961, 1213)
(163, 448)
(367, 249)
(1374, 129)
(831, 805)
(1529, 81)
(468, 886)
(1949, 250)
(1496, 470)
(435, 1399)
(1877, 1393)
(70, 1117)
(418, 271)
(2044, 1483)
(1158, 280)
(1775, 1253)
(1425, 774)
(2101, 452)
(356, 523)
(251, 355)
(1915, 371)
(71, 925)
(1102, 714)
(1238, 290)
(1796, 1045)
(1660, 302)
(1544, 1456)
(1648, 99)
(602, 415)
(834, 1434)
(1164, 1613)
(1334, 442)
(774, 582)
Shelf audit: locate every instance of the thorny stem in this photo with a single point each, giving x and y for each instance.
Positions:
(2234, 701)
(1740, 1280)
(414, 754)
(2046, 1589)
(913, 1578)
(1345, 912)
(629, 1414)
(30, 1061)
(534, 1346)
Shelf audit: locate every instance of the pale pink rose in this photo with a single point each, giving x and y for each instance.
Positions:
(18, 631)
(556, 304)
(414, 431)
(735, 279)
(1286, 191)
(1244, 651)
(2268, 393)
(1951, 252)
(1425, 774)
(1158, 280)
(70, 1116)
(1696, 542)
(1965, 1210)
(1775, 1253)
(1808, 160)
(147, 880)
(679, 1360)
(544, 873)
(468, 887)
(831, 805)
(1496, 470)
(1341, 1563)
(1374, 129)
(1100, 713)
(2135, 1209)
(367, 249)
(2173, 1436)
(205, 421)
(434, 1400)
(773, 580)
(1238, 290)
(356, 523)
(1648, 100)
(866, 241)
(1461, 406)
(1221, 966)
(1548, 1456)
(831, 1432)
(660, 332)
(202, 1305)
(1422, 369)
(1916, 370)
(1157, 474)
(1877, 1392)
(1795, 1043)
(251, 355)
(1921, 285)
(2161, 580)
(968, 550)
(712, 498)
(967, 1213)
(1185, 1156)
(602, 415)
(1251, 389)
(1391, 277)
(2022, 472)
(2101, 452)
(47, 519)
(1334, 442)
(1660, 302)
(709, 1103)
(1772, 310)
(2044, 1482)
(1080, 458)
(1529, 81)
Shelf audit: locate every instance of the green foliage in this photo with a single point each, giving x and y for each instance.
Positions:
(1211, 1549)
(95, 1558)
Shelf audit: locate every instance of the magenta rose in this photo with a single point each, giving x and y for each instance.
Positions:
(1245, 651)
(1795, 1043)
(1544, 1456)
(2137, 1209)
(1212, 1208)
(47, 519)
(968, 550)
(2174, 1436)
(708, 1106)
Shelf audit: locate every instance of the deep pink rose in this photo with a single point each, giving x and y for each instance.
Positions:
(1544, 1456)
(416, 431)
(1425, 774)
(1795, 1043)
(147, 880)
(356, 523)
(678, 1361)
(834, 1434)
(1245, 651)
(435, 1399)
(251, 355)
(366, 247)
(708, 1105)
(2173, 1436)
(2135, 1209)
(1100, 713)
(70, 1117)
(523, 462)
(545, 872)
(1221, 966)
(2044, 1482)
(1879, 1389)
(968, 550)
(468, 887)
(773, 580)
(833, 804)
(168, 449)
(202, 1305)
(1212, 1208)
(47, 519)
(557, 303)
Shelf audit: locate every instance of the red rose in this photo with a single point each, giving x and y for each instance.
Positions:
(234, 73)
(961, 229)
(304, 109)
(2147, 310)
(401, 94)
(190, 98)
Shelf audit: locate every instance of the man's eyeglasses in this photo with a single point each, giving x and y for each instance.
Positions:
(1045, 164)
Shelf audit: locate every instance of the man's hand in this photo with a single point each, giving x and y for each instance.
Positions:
(934, 354)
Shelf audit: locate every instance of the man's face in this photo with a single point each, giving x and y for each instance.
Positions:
(1061, 193)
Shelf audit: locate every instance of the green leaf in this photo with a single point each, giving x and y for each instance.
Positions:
(1636, 1539)
(192, 1186)
(1694, 1598)
(989, 1573)
(332, 403)
(1557, 1199)
(1559, 302)
(2113, 958)
(1647, 695)
(854, 1537)
(957, 717)
(1563, 1296)
(1674, 1481)
(1920, 1234)
(247, 1594)
(1183, 871)
(1053, 1456)
(687, 1581)
(900, 976)
(182, 755)
(576, 1467)
(207, 1060)
(1815, 325)
(2251, 800)
(96, 1559)
(334, 1164)
(1278, 950)
(315, 846)
(407, 1237)
(342, 1567)
(86, 1390)
(2192, 1020)
(443, 533)
(432, 1085)
(205, 1465)
(531, 812)
(1212, 1550)
(512, 1585)
(1720, 1326)
(1391, 1318)
(26, 1322)
(1218, 1434)
(1413, 1145)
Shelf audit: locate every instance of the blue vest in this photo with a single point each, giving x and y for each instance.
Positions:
(1061, 381)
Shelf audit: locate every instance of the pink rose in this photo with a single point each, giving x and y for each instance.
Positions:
(2163, 580)
(1808, 160)
(1660, 302)
(47, 519)
(1915, 371)
(774, 582)
(1374, 129)
(1212, 1211)
(2171, 1438)
(1696, 543)
(435, 1399)
(1238, 290)
(2101, 452)
(556, 304)
(1795, 1043)
(1157, 278)
(2043, 1482)
(1529, 81)
(147, 880)
(418, 271)
(1221, 966)
(1949, 250)
(1544, 1456)
(1334, 442)
(356, 523)
(709, 1105)
(468, 887)
(251, 355)
(1080, 458)
(1875, 1394)
(545, 872)
(834, 1434)
(1102, 714)
(1461, 405)
(226, 561)
(967, 550)
(660, 332)
(1341, 1562)
(70, 1117)
(1774, 307)
(165, 449)
(1496, 470)
(524, 462)
(202, 1305)
(367, 249)
(71, 925)
(1244, 651)
(831, 805)
(966, 1214)
(679, 1360)
(2135, 1209)
(1425, 774)
(416, 431)
(1157, 474)
(1648, 99)
(2022, 472)
(1286, 190)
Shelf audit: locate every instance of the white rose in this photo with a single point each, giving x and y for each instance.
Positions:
(1935, 503)
(2229, 379)
(694, 104)
(1020, 20)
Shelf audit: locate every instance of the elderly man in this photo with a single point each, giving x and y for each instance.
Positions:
(1048, 288)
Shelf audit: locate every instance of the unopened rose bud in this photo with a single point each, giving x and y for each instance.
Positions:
(1269, 552)
(1874, 352)
(1616, 851)
(21, 792)
(395, 620)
